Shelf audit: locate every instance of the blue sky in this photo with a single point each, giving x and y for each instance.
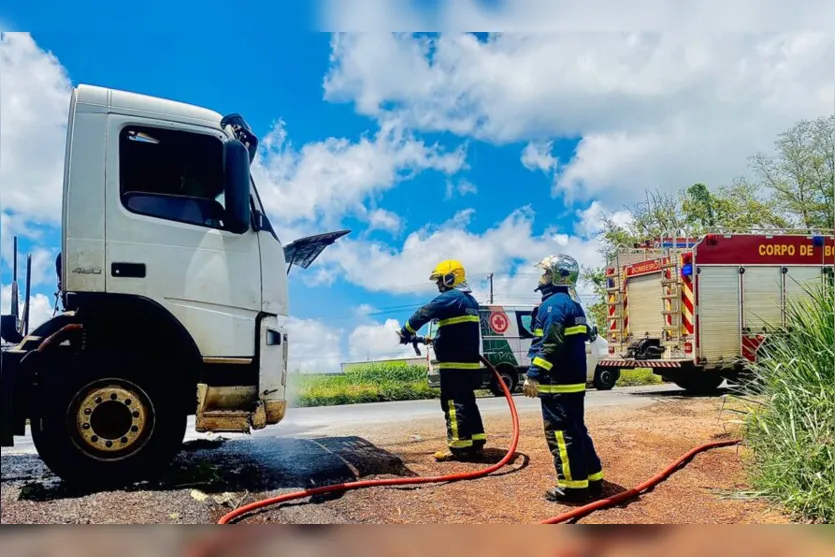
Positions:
(489, 159)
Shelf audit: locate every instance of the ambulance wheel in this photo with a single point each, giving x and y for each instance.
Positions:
(605, 378)
(701, 384)
(509, 375)
(106, 421)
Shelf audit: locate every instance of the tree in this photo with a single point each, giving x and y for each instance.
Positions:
(734, 208)
(692, 212)
(699, 203)
(599, 311)
(801, 173)
(794, 187)
(658, 215)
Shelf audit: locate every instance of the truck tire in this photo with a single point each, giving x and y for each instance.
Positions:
(509, 376)
(701, 384)
(605, 378)
(108, 421)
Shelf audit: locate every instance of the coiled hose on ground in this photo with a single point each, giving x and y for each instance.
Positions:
(204, 550)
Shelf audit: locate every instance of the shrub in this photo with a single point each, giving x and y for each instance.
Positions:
(638, 377)
(790, 424)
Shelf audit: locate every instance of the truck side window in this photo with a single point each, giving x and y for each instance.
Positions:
(172, 174)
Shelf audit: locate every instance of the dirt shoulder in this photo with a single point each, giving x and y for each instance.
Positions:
(633, 445)
(209, 480)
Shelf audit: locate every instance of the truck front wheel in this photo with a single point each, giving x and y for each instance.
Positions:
(107, 421)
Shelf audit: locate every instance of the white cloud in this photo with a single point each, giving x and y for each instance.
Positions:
(537, 156)
(591, 219)
(376, 341)
(34, 102)
(606, 16)
(364, 309)
(328, 180)
(314, 346)
(381, 219)
(652, 110)
(12, 225)
(40, 309)
(381, 268)
(462, 188)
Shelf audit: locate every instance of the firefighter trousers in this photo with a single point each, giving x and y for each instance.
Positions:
(465, 430)
(569, 441)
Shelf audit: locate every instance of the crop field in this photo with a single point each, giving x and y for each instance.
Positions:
(387, 382)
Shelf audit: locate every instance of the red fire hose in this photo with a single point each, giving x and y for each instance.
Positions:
(396, 481)
(615, 499)
(204, 549)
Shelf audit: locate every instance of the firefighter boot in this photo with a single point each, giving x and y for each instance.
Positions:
(596, 488)
(567, 496)
(446, 455)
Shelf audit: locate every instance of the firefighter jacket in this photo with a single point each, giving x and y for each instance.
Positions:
(558, 351)
(457, 342)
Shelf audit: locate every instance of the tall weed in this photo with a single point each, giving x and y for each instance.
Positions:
(791, 427)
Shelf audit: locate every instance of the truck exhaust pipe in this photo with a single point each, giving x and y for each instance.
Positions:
(13, 328)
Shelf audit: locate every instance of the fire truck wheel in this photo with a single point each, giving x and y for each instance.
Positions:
(107, 421)
(605, 378)
(701, 384)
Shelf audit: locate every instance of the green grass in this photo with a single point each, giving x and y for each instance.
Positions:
(372, 383)
(395, 381)
(790, 423)
(638, 377)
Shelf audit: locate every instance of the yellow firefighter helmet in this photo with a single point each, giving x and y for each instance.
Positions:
(449, 274)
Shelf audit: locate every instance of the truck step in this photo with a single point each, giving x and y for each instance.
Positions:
(227, 421)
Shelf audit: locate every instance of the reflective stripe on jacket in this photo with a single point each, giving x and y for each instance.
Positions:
(558, 357)
(457, 341)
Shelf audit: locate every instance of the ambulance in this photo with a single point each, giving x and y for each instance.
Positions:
(505, 339)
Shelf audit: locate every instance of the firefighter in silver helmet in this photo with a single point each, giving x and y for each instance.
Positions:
(557, 376)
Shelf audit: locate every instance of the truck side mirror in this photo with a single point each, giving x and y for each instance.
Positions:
(237, 186)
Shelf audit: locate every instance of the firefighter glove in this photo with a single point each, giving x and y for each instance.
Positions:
(531, 387)
(405, 336)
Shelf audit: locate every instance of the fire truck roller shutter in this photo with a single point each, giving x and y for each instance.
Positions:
(719, 334)
(762, 298)
(645, 306)
(798, 279)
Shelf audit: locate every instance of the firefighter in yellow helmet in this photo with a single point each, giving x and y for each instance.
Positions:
(456, 347)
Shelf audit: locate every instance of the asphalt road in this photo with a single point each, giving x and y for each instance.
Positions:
(355, 418)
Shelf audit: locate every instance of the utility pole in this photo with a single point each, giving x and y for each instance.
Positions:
(490, 277)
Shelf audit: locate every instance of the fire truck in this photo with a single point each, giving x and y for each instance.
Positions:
(698, 311)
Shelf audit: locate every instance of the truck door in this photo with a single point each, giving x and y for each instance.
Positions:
(165, 235)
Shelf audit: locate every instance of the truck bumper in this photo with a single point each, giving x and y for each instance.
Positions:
(653, 364)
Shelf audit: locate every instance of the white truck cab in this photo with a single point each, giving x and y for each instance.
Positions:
(506, 337)
(174, 286)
